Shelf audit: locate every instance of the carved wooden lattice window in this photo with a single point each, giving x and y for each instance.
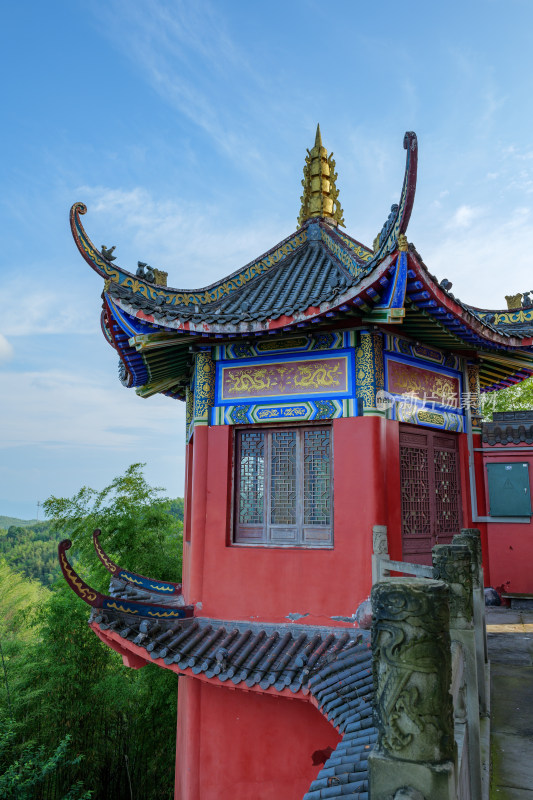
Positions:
(284, 487)
(430, 490)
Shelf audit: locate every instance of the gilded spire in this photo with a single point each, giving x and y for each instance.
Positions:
(320, 196)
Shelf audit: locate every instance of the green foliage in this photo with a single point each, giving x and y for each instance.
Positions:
(62, 684)
(25, 769)
(30, 546)
(138, 529)
(514, 398)
(32, 549)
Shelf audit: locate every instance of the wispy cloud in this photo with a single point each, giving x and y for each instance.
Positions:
(56, 409)
(46, 309)
(485, 261)
(464, 217)
(6, 349)
(187, 55)
(196, 244)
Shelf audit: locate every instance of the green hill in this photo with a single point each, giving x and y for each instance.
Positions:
(6, 522)
(30, 546)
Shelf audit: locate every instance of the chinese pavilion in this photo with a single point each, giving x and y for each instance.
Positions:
(330, 387)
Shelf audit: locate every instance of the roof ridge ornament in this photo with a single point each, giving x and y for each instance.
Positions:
(140, 581)
(320, 196)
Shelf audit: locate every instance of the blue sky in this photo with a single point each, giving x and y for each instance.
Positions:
(183, 127)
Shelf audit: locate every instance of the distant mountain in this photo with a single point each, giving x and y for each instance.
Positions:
(30, 546)
(6, 522)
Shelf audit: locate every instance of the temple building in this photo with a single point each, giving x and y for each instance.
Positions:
(330, 387)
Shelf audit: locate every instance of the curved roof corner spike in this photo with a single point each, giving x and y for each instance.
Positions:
(396, 224)
(125, 605)
(139, 581)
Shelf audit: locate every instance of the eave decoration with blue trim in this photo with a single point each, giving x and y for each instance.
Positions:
(128, 601)
(318, 277)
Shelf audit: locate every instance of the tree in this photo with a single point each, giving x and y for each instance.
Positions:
(25, 769)
(139, 530)
(514, 398)
(122, 720)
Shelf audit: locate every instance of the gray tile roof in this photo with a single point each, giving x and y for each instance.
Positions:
(334, 665)
(509, 427)
(309, 276)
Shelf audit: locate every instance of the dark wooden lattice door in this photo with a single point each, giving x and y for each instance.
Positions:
(430, 491)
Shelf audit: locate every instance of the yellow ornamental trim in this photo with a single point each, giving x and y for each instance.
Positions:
(164, 613)
(130, 578)
(83, 591)
(122, 608)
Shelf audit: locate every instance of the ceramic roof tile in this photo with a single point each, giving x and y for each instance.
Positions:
(331, 664)
(310, 275)
(509, 427)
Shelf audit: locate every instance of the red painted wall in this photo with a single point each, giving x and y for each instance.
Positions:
(249, 745)
(267, 584)
(510, 544)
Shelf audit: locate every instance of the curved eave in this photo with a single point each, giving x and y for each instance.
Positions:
(123, 605)
(351, 299)
(426, 294)
(330, 668)
(356, 259)
(138, 581)
(179, 297)
(159, 361)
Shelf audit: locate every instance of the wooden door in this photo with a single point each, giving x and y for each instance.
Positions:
(430, 490)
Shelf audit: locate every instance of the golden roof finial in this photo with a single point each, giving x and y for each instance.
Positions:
(320, 196)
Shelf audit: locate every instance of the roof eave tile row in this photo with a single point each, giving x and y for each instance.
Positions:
(330, 665)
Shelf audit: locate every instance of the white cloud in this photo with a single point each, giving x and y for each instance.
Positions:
(196, 244)
(486, 261)
(46, 310)
(464, 217)
(57, 409)
(185, 52)
(6, 350)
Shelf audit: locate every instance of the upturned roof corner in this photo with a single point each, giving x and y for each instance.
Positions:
(320, 196)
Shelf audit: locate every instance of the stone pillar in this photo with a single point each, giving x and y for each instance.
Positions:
(380, 549)
(452, 563)
(413, 709)
(204, 387)
(369, 372)
(471, 537)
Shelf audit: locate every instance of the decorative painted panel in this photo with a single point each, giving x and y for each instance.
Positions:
(369, 370)
(397, 344)
(327, 340)
(404, 378)
(248, 413)
(474, 396)
(291, 378)
(417, 415)
(423, 395)
(189, 412)
(204, 387)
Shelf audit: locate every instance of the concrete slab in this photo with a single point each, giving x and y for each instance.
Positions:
(511, 656)
(511, 703)
(511, 648)
(500, 614)
(509, 793)
(512, 764)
